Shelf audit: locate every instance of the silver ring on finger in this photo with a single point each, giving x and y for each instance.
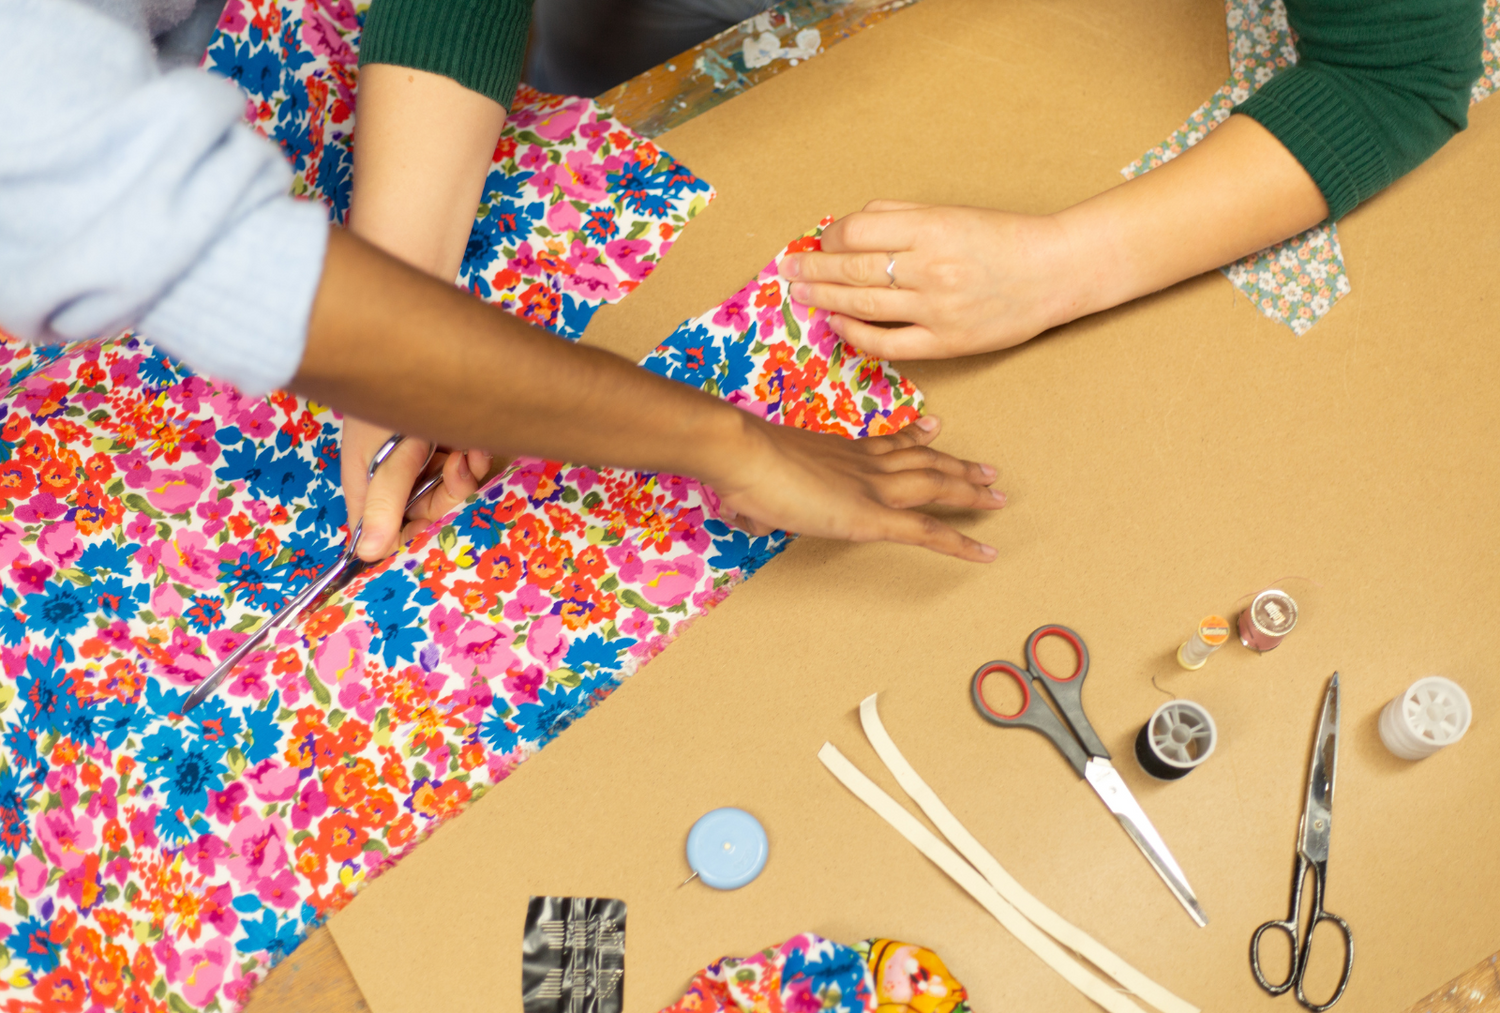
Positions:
(890, 269)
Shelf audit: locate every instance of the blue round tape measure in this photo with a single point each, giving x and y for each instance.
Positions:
(727, 848)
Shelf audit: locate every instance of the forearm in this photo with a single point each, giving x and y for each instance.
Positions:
(425, 147)
(493, 381)
(1235, 192)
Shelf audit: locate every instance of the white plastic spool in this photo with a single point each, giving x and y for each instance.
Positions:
(1180, 735)
(1433, 712)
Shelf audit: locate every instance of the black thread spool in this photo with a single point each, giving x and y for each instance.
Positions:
(1180, 735)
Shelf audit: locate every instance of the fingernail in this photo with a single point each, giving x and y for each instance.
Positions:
(800, 290)
(988, 471)
(790, 267)
(463, 469)
(997, 496)
(927, 423)
(988, 551)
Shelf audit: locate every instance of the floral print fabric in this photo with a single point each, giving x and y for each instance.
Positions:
(1297, 281)
(151, 519)
(810, 974)
(577, 210)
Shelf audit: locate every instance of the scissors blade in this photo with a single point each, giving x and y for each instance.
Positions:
(1111, 788)
(1317, 812)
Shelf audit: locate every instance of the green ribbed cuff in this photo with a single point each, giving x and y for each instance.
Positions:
(481, 44)
(1307, 111)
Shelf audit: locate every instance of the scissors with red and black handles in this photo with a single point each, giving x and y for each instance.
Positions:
(1081, 745)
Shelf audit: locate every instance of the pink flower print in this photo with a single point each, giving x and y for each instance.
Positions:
(484, 647)
(558, 125)
(534, 157)
(626, 559)
(59, 543)
(624, 253)
(798, 997)
(215, 512)
(189, 393)
(666, 582)
(578, 176)
(118, 869)
(233, 19)
(30, 579)
(356, 696)
(200, 972)
(204, 853)
(563, 217)
(443, 624)
(271, 781)
(64, 838)
(42, 507)
(249, 679)
(259, 510)
(259, 847)
(525, 263)
(526, 601)
(81, 884)
(638, 625)
(593, 281)
(10, 544)
(105, 802)
(166, 602)
(140, 529)
(322, 37)
(310, 804)
(341, 652)
(217, 911)
(143, 827)
(135, 468)
(523, 686)
(175, 490)
(225, 642)
(583, 478)
(227, 805)
(545, 641)
(190, 559)
(64, 781)
(31, 875)
(733, 313)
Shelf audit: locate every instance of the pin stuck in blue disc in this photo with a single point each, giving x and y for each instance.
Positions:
(727, 848)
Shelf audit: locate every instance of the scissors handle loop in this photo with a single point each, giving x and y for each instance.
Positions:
(1033, 714)
(1072, 639)
(1302, 946)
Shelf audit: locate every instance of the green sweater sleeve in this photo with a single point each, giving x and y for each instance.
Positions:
(1379, 85)
(481, 44)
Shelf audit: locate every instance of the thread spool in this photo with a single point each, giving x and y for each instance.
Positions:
(1433, 712)
(1269, 618)
(1180, 735)
(1211, 634)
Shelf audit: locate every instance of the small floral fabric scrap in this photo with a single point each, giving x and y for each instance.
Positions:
(150, 519)
(577, 209)
(810, 974)
(1297, 281)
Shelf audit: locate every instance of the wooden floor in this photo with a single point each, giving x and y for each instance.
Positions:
(315, 977)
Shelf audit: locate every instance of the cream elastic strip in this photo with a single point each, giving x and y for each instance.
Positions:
(968, 845)
(945, 858)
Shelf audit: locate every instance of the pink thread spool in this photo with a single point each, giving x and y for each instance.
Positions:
(1268, 620)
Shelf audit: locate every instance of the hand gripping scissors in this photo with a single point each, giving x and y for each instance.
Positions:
(1312, 853)
(1082, 747)
(338, 573)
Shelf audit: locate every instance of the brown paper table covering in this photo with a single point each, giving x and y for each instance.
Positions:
(1162, 460)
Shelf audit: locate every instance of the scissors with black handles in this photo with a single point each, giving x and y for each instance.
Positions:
(1312, 855)
(1079, 743)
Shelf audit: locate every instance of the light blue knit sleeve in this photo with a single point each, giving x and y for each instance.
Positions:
(134, 198)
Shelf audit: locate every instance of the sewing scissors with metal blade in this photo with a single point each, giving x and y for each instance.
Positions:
(337, 574)
(1313, 832)
(1079, 743)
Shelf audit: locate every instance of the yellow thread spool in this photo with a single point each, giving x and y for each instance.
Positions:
(1210, 635)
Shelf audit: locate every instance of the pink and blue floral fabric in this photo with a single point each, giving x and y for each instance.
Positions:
(150, 519)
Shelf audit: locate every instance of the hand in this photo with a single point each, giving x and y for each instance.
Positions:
(857, 490)
(382, 502)
(970, 279)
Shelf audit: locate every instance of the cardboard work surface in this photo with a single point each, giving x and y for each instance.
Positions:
(1163, 460)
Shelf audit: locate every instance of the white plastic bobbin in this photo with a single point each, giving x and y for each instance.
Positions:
(1433, 712)
(1180, 735)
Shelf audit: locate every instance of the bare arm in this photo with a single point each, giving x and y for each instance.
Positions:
(478, 377)
(974, 280)
(425, 145)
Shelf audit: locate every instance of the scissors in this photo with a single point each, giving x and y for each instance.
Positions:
(337, 574)
(1079, 743)
(1312, 853)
